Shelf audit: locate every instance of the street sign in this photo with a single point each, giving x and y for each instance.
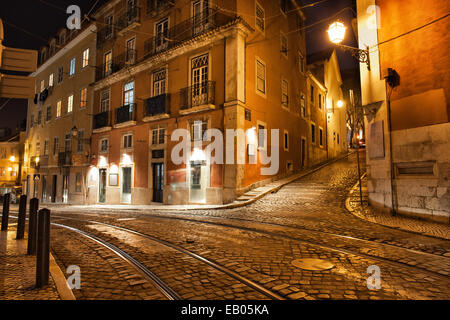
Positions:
(22, 60)
(36, 177)
(19, 87)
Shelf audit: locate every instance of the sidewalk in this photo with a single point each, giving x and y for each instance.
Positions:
(18, 271)
(248, 198)
(374, 215)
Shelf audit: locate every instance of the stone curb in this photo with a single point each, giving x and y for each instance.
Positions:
(359, 215)
(60, 281)
(261, 195)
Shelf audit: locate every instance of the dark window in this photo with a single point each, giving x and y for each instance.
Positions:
(248, 115)
(313, 133)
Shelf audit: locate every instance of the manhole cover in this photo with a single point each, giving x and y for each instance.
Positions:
(313, 264)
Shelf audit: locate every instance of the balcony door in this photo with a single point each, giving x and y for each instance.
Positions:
(131, 51)
(126, 185)
(201, 16)
(162, 35)
(128, 94)
(108, 64)
(199, 80)
(159, 82)
(158, 182)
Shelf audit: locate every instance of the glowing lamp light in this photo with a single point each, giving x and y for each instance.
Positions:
(102, 162)
(37, 160)
(126, 159)
(340, 104)
(336, 32)
(198, 155)
(251, 135)
(9, 169)
(114, 169)
(12, 159)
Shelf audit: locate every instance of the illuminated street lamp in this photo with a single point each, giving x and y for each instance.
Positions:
(340, 104)
(336, 33)
(12, 159)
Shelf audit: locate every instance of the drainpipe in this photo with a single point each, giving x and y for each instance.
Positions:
(391, 160)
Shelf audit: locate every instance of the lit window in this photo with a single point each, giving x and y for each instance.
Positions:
(158, 135)
(108, 64)
(72, 67)
(50, 80)
(83, 98)
(70, 104)
(58, 108)
(104, 101)
(104, 145)
(46, 148)
(85, 61)
(198, 128)
(42, 85)
(284, 93)
(260, 77)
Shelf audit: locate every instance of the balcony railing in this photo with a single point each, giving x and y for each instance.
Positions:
(155, 7)
(157, 105)
(116, 64)
(186, 30)
(198, 95)
(128, 18)
(65, 158)
(102, 120)
(105, 34)
(126, 113)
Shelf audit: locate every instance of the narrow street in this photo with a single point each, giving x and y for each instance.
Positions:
(248, 253)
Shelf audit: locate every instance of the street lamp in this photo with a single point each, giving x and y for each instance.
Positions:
(340, 104)
(12, 158)
(336, 33)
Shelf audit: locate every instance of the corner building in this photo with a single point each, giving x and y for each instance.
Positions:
(195, 65)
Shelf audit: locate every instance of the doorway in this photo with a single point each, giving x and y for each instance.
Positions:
(158, 182)
(54, 182)
(303, 155)
(102, 186)
(65, 189)
(44, 188)
(198, 181)
(126, 185)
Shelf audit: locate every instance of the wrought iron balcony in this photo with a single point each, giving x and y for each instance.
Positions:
(129, 18)
(157, 105)
(184, 31)
(198, 95)
(126, 113)
(155, 7)
(116, 64)
(102, 120)
(65, 158)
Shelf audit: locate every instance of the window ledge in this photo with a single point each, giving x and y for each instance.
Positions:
(125, 124)
(200, 108)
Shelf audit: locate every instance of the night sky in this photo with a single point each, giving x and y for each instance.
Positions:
(43, 19)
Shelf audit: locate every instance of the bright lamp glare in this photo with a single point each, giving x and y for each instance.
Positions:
(340, 104)
(336, 32)
(12, 159)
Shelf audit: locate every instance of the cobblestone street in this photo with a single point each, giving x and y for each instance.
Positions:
(248, 252)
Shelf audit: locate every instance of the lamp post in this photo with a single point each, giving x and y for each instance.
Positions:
(336, 33)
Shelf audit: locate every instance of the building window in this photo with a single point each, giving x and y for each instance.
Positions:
(52, 48)
(39, 117)
(62, 39)
(130, 53)
(301, 62)
(320, 136)
(248, 115)
(127, 141)
(128, 93)
(46, 148)
(78, 179)
(68, 142)
(109, 26)
(48, 115)
(42, 85)
(158, 136)
(83, 98)
(50, 80)
(260, 17)
(338, 138)
(43, 55)
(198, 129)
(284, 93)
(284, 6)
(104, 145)
(104, 101)
(72, 67)
(58, 109)
(262, 136)
(70, 104)
(286, 141)
(313, 133)
(260, 77)
(303, 105)
(162, 35)
(108, 64)
(60, 74)
(80, 143)
(85, 61)
(320, 101)
(55, 145)
(3, 153)
(38, 148)
(284, 44)
(159, 82)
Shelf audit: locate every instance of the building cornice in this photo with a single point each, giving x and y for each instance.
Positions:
(88, 31)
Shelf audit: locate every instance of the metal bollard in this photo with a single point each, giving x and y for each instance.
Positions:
(21, 218)
(5, 214)
(32, 226)
(43, 248)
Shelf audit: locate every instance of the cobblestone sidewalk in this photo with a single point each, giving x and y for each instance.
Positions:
(374, 215)
(18, 271)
